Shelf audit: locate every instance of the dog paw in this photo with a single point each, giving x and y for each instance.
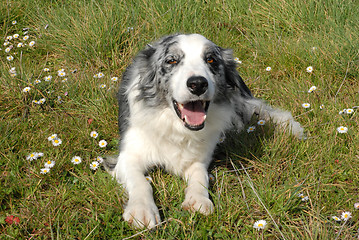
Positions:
(141, 215)
(198, 203)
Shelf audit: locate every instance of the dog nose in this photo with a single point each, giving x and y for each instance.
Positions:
(197, 85)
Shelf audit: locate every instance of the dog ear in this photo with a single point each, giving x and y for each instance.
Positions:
(232, 76)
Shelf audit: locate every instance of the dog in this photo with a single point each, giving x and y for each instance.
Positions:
(175, 100)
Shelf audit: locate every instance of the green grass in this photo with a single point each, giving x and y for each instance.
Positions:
(75, 202)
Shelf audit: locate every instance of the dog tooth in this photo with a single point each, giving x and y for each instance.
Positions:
(204, 117)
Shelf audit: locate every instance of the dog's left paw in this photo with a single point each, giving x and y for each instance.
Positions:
(198, 203)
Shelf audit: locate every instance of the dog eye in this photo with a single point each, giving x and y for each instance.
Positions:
(210, 60)
(171, 61)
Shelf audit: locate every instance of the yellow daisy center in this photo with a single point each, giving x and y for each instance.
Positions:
(260, 225)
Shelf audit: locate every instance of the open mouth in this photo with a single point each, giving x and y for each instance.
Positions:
(193, 114)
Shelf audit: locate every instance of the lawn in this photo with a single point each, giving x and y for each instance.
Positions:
(60, 66)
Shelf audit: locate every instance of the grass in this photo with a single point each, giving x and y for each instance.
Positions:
(73, 201)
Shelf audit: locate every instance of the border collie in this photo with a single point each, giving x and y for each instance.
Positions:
(176, 99)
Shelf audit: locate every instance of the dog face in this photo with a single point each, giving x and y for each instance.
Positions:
(187, 72)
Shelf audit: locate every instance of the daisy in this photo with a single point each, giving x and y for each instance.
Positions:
(48, 78)
(115, 79)
(27, 89)
(49, 164)
(40, 154)
(94, 134)
(46, 70)
(102, 143)
(14, 22)
(44, 170)
(99, 159)
(356, 205)
(10, 58)
(37, 81)
(35, 101)
(25, 37)
(336, 218)
(349, 111)
(304, 199)
(102, 86)
(342, 111)
(261, 122)
(6, 43)
(32, 43)
(149, 179)
(15, 35)
(20, 45)
(9, 38)
(346, 215)
(268, 69)
(7, 50)
(237, 60)
(61, 74)
(42, 101)
(56, 142)
(129, 29)
(52, 137)
(260, 224)
(342, 129)
(306, 105)
(32, 156)
(313, 88)
(251, 129)
(211, 177)
(94, 165)
(64, 80)
(76, 160)
(309, 69)
(321, 106)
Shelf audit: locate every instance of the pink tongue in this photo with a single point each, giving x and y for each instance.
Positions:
(194, 113)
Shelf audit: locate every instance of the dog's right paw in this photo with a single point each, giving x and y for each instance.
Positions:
(141, 215)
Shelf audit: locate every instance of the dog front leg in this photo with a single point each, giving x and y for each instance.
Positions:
(141, 210)
(196, 198)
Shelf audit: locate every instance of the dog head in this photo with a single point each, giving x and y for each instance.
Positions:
(189, 73)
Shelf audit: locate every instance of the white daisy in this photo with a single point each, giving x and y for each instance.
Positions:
(56, 142)
(102, 143)
(309, 69)
(10, 58)
(237, 60)
(32, 43)
(115, 79)
(103, 86)
(42, 101)
(306, 105)
(76, 160)
(44, 170)
(268, 69)
(260, 224)
(15, 36)
(342, 129)
(46, 70)
(61, 74)
(356, 205)
(321, 106)
(149, 179)
(94, 165)
(32, 156)
(9, 38)
(261, 122)
(346, 215)
(99, 159)
(94, 134)
(251, 129)
(7, 50)
(342, 111)
(6, 43)
(48, 78)
(27, 89)
(25, 37)
(49, 164)
(313, 88)
(349, 111)
(37, 81)
(336, 218)
(52, 137)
